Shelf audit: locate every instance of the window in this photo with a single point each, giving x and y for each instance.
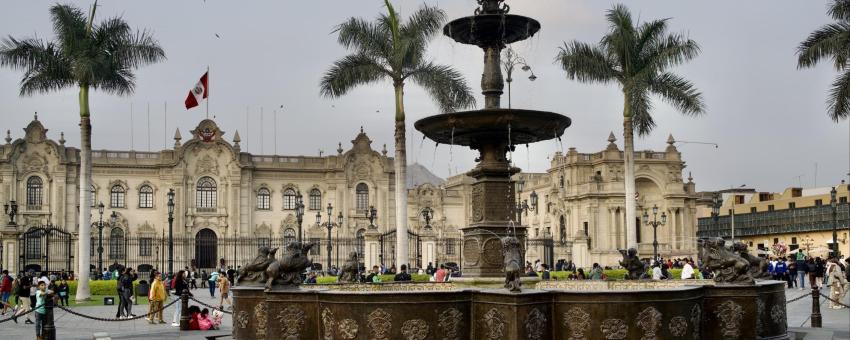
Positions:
(264, 197)
(34, 192)
(818, 203)
(753, 210)
(34, 246)
(206, 195)
(562, 181)
(116, 196)
(362, 197)
(145, 246)
(360, 238)
(792, 205)
(793, 240)
(770, 207)
(775, 240)
(116, 244)
(450, 247)
(842, 199)
(288, 236)
(264, 242)
(146, 197)
(315, 199)
(289, 199)
(93, 196)
(739, 199)
(586, 229)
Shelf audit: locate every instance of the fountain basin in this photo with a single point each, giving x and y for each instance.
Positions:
(491, 29)
(651, 310)
(473, 128)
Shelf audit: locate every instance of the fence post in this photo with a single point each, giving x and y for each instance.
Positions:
(48, 329)
(816, 317)
(184, 310)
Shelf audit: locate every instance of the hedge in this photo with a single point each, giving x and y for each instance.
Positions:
(613, 274)
(323, 280)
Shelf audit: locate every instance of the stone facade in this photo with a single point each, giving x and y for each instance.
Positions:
(225, 192)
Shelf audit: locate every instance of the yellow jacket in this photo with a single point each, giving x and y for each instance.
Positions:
(157, 292)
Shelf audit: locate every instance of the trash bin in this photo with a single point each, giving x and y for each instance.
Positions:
(143, 288)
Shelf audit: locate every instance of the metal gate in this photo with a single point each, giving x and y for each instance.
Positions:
(414, 251)
(45, 249)
(206, 249)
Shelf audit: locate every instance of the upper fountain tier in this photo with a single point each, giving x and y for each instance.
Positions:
(491, 26)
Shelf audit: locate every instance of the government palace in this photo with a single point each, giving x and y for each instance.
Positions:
(227, 202)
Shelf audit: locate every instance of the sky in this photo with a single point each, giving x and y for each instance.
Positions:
(768, 118)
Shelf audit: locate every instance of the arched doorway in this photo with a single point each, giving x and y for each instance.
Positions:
(206, 248)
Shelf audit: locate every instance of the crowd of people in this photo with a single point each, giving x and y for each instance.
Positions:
(799, 268)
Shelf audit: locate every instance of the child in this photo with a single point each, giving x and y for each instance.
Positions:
(63, 292)
(217, 315)
(204, 322)
(156, 296)
(40, 298)
(194, 312)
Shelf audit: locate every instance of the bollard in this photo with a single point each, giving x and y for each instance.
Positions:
(48, 329)
(184, 310)
(816, 317)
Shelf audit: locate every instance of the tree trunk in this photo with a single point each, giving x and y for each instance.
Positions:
(629, 154)
(400, 163)
(84, 232)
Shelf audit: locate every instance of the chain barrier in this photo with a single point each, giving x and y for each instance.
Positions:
(834, 301)
(18, 316)
(798, 298)
(116, 319)
(208, 306)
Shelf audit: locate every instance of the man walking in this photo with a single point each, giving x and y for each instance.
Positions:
(23, 292)
(801, 268)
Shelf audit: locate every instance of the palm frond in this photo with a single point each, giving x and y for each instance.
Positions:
(619, 43)
(69, 24)
(679, 93)
(838, 102)
(586, 63)
(832, 40)
(361, 35)
(839, 9)
(446, 86)
(130, 49)
(640, 105)
(349, 72)
(44, 67)
(669, 51)
(424, 24)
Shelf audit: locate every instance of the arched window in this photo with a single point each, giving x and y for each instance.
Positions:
(116, 196)
(362, 197)
(264, 197)
(315, 199)
(289, 199)
(116, 244)
(288, 236)
(35, 188)
(93, 196)
(206, 195)
(146, 197)
(361, 243)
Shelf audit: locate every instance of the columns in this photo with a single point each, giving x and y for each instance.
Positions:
(429, 247)
(372, 248)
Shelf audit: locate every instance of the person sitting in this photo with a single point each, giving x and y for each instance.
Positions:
(311, 278)
(403, 276)
(194, 313)
(204, 322)
(217, 315)
(546, 274)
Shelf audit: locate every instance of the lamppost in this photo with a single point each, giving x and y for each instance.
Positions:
(716, 203)
(330, 225)
(427, 213)
(654, 224)
(170, 231)
(100, 237)
(524, 207)
(372, 215)
(510, 61)
(299, 212)
(833, 201)
(11, 209)
(734, 199)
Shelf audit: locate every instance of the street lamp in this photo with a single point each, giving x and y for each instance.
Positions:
(654, 224)
(510, 61)
(330, 225)
(299, 212)
(372, 215)
(734, 199)
(170, 231)
(524, 207)
(716, 203)
(100, 237)
(427, 214)
(833, 201)
(11, 209)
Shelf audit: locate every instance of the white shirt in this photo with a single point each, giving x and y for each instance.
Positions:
(656, 273)
(687, 271)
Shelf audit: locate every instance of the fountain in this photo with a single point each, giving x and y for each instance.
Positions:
(733, 306)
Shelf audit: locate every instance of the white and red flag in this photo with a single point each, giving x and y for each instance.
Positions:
(198, 93)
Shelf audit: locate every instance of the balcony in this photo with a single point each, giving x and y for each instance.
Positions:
(818, 218)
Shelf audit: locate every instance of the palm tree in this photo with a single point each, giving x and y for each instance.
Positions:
(91, 57)
(637, 57)
(388, 50)
(832, 41)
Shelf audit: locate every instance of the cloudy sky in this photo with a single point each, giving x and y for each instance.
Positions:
(768, 117)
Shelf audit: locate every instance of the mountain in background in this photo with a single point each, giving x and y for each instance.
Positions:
(418, 174)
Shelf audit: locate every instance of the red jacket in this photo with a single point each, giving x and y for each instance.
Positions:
(6, 284)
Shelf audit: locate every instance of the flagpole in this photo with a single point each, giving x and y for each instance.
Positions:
(165, 125)
(149, 126)
(132, 137)
(247, 128)
(274, 132)
(208, 91)
(262, 141)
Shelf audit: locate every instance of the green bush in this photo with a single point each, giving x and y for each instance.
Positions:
(613, 274)
(97, 287)
(323, 280)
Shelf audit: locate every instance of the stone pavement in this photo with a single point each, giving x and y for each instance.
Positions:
(73, 327)
(799, 313)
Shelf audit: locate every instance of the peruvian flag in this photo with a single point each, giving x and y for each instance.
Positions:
(198, 93)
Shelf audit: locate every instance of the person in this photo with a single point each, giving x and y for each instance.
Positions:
(217, 316)
(204, 322)
(538, 266)
(440, 275)
(546, 275)
(125, 291)
(311, 278)
(656, 271)
(40, 297)
(791, 273)
(820, 269)
(192, 279)
(581, 275)
(194, 313)
(231, 274)
(105, 275)
(430, 269)
(596, 272)
(224, 290)
(838, 285)
(212, 280)
(179, 286)
(802, 268)
(64, 291)
(23, 293)
(779, 270)
(687, 271)
(374, 276)
(156, 297)
(811, 272)
(204, 278)
(5, 289)
(402, 276)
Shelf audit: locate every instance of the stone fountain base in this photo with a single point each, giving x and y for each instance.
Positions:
(558, 310)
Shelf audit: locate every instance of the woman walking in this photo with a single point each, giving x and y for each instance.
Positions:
(125, 289)
(179, 286)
